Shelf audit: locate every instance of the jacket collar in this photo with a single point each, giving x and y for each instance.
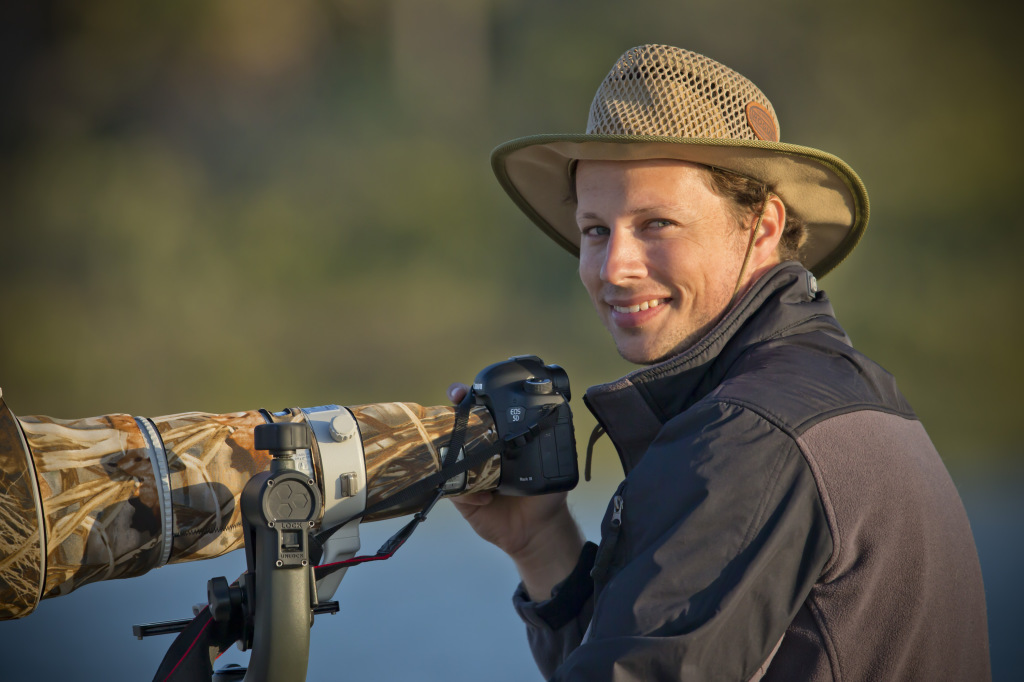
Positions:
(785, 301)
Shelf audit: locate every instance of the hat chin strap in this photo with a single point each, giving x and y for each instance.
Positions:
(750, 249)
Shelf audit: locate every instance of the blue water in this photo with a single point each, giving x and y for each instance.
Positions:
(439, 610)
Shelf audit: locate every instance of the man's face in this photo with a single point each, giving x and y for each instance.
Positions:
(660, 253)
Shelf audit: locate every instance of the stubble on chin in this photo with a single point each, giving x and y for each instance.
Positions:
(655, 356)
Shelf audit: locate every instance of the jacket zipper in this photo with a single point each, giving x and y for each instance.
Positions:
(607, 549)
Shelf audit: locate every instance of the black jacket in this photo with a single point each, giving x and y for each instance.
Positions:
(783, 514)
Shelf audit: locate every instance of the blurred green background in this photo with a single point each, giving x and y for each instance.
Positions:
(225, 205)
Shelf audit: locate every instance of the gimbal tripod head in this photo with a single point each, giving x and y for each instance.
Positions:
(270, 608)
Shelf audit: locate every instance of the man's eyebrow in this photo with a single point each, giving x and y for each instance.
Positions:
(635, 211)
(657, 208)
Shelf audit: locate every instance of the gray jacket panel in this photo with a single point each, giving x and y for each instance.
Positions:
(902, 597)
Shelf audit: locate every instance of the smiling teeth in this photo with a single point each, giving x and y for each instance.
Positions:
(637, 308)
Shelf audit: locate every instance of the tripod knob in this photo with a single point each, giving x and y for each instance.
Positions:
(225, 600)
(282, 439)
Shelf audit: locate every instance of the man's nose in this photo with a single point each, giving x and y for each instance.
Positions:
(623, 258)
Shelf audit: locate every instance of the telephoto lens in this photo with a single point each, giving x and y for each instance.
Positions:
(115, 496)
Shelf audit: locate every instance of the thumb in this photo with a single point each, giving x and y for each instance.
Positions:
(457, 391)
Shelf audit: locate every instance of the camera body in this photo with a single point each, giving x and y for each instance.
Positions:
(529, 402)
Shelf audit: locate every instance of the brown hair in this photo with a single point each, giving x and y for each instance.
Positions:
(747, 198)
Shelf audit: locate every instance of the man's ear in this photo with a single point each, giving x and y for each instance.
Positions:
(769, 233)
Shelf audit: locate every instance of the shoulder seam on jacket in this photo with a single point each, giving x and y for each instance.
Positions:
(823, 496)
(778, 424)
(795, 429)
(849, 409)
(766, 414)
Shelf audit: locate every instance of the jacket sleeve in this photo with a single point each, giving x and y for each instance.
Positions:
(723, 536)
(555, 627)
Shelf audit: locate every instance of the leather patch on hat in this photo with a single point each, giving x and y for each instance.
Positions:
(761, 122)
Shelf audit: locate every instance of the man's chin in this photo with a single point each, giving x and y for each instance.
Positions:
(646, 350)
(643, 356)
(646, 355)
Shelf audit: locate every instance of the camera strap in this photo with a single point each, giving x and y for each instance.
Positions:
(450, 468)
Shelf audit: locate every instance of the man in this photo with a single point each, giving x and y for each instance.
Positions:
(784, 514)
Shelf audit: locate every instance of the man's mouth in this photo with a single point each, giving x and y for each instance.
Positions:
(653, 303)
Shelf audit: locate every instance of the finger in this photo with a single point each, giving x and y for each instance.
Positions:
(457, 391)
(473, 499)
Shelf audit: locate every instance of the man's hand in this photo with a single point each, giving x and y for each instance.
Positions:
(538, 532)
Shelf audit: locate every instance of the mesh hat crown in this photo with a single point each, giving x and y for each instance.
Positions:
(661, 102)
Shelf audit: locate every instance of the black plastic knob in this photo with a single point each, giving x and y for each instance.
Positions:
(219, 596)
(282, 437)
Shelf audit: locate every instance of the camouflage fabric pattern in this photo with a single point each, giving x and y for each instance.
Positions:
(100, 499)
(402, 443)
(210, 458)
(100, 506)
(20, 544)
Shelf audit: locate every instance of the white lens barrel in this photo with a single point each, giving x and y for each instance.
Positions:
(344, 485)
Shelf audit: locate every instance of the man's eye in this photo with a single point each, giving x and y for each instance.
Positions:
(660, 222)
(595, 231)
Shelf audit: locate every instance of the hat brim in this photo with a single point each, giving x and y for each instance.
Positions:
(819, 187)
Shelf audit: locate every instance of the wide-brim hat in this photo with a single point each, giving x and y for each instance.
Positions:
(661, 102)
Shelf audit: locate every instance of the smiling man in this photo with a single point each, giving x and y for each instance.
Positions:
(784, 515)
(662, 255)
